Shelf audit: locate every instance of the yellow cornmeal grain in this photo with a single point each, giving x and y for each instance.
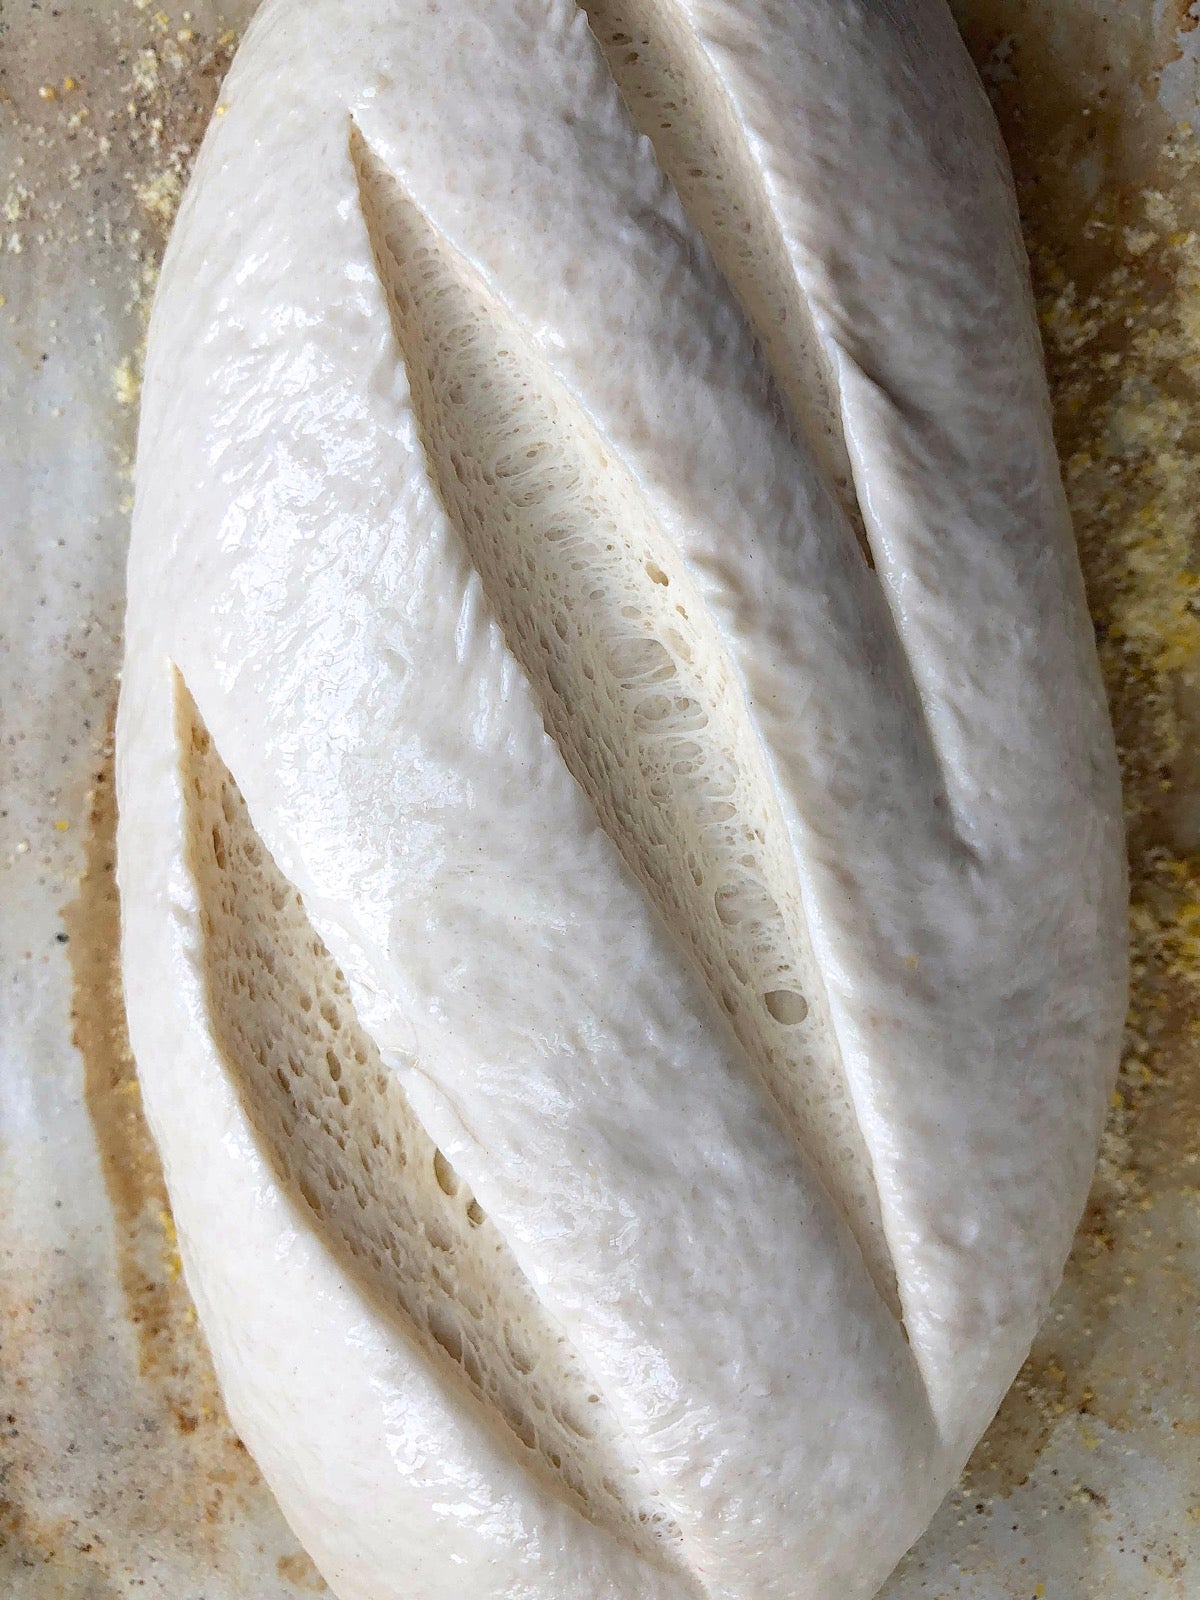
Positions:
(160, 197)
(126, 381)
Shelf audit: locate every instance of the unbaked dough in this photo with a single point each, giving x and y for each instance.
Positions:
(625, 984)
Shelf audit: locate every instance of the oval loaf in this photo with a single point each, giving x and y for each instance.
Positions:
(620, 843)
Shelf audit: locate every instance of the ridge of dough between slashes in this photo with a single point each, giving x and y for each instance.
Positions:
(674, 96)
(340, 1132)
(634, 683)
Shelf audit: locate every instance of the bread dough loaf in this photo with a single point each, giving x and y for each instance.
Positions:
(625, 985)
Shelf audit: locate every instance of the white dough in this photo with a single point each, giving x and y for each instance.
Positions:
(626, 991)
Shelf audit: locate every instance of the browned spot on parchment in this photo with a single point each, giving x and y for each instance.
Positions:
(63, 1564)
(212, 1475)
(149, 1263)
(299, 1570)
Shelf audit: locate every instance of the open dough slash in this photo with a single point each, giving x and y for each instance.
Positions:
(634, 682)
(340, 1132)
(782, 950)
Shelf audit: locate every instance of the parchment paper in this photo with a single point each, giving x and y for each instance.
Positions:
(119, 1473)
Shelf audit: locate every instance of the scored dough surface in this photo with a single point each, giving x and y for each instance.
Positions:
(624, 986)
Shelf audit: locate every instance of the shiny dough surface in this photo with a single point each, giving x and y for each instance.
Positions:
(625, 987)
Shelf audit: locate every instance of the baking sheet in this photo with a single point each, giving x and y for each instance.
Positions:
(119, 1473)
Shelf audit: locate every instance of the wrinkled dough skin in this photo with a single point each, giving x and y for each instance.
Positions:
(625, 988)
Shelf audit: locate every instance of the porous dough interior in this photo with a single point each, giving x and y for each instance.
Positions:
(635, 685)
(341, 1133)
